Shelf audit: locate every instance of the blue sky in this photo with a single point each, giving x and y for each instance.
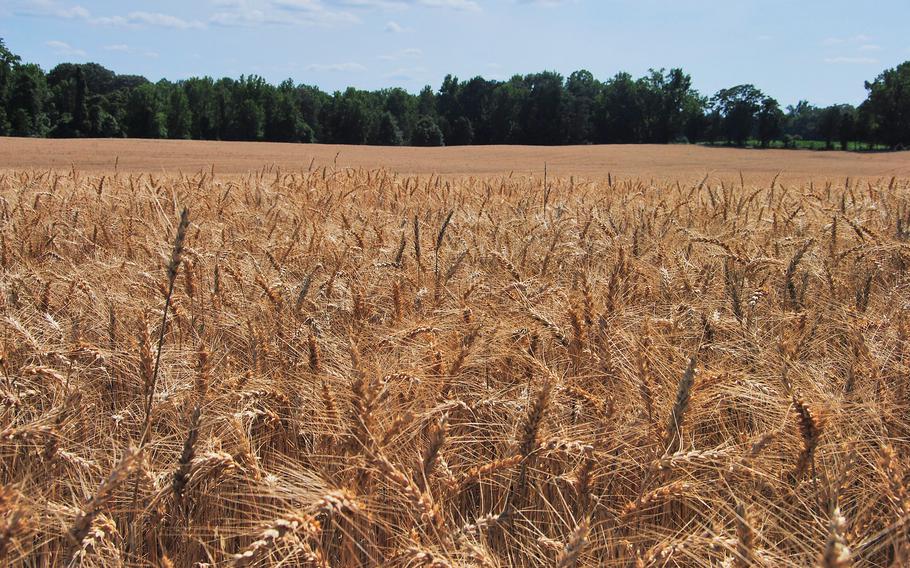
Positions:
(791, 49)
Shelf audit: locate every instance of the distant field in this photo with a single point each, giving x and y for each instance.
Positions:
(592, 162)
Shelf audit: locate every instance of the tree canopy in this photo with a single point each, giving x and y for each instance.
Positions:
(88, 100)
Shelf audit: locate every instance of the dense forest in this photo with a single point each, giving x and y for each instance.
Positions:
(88, 100)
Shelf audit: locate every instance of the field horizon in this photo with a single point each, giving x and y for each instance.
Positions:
(594, 162)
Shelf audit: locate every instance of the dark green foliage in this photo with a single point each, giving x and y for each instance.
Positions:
(462, 132)
(738, 107)
(888, 106)
(143, 114)
(179, 115)
(770, 121)
(77, 100)
(389, 134)
(427, 133)
(26, 101)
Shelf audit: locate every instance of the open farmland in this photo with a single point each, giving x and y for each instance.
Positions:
(345, 366)
(665, 163)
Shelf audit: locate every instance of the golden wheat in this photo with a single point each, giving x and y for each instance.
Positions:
(620, 373)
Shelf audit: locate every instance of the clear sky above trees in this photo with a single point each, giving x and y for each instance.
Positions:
(820, 51)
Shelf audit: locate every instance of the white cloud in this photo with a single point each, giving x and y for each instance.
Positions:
(253, 13)
(65, 49)
(124, 48)
(403, 54)
(162, 20)
(861, 39)
(381, 4)
(546, 2)
(404, 74)
(349, 67)
(870, 47)
(845, 60)
(53, 9)
(467, 5)
(394, 27)
(299, 5)
(326, 13)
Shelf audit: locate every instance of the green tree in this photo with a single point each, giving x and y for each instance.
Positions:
(427, 133)
(448, 105)
(829, 125)
(311, 101)
(475, 98)
(144, 117)
(80, 124)
(201, 99)
(889, 105)
(669, 104)
(462, 132)
(388, 133)
(620, 113)
(8, 61)
(738, 107)
(770, 121)
(426, 102)
(179, 114)
(847, 131)
(802, 120)
(348, 118)
(284, 122)
(87, 99)
(506, 121)
(25, 107)
(250, 121)
(403, 108)
(582, 90)
(542, 112)
(102, 123)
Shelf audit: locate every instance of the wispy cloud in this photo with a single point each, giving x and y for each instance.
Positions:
(858, 39)
(65, 49)
(254, 13)
(846, 60)
(380, 4)
(124, 48)
(349, 67)
(403, 54)
(870, 47)
(395, 28)
(405, 74)
(52, 9)
(156, 19)
(546, 2)
(465, 5)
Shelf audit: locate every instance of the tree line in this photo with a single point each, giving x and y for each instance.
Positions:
(88, 100)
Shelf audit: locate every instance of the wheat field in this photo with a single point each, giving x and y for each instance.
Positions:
(349, 367)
